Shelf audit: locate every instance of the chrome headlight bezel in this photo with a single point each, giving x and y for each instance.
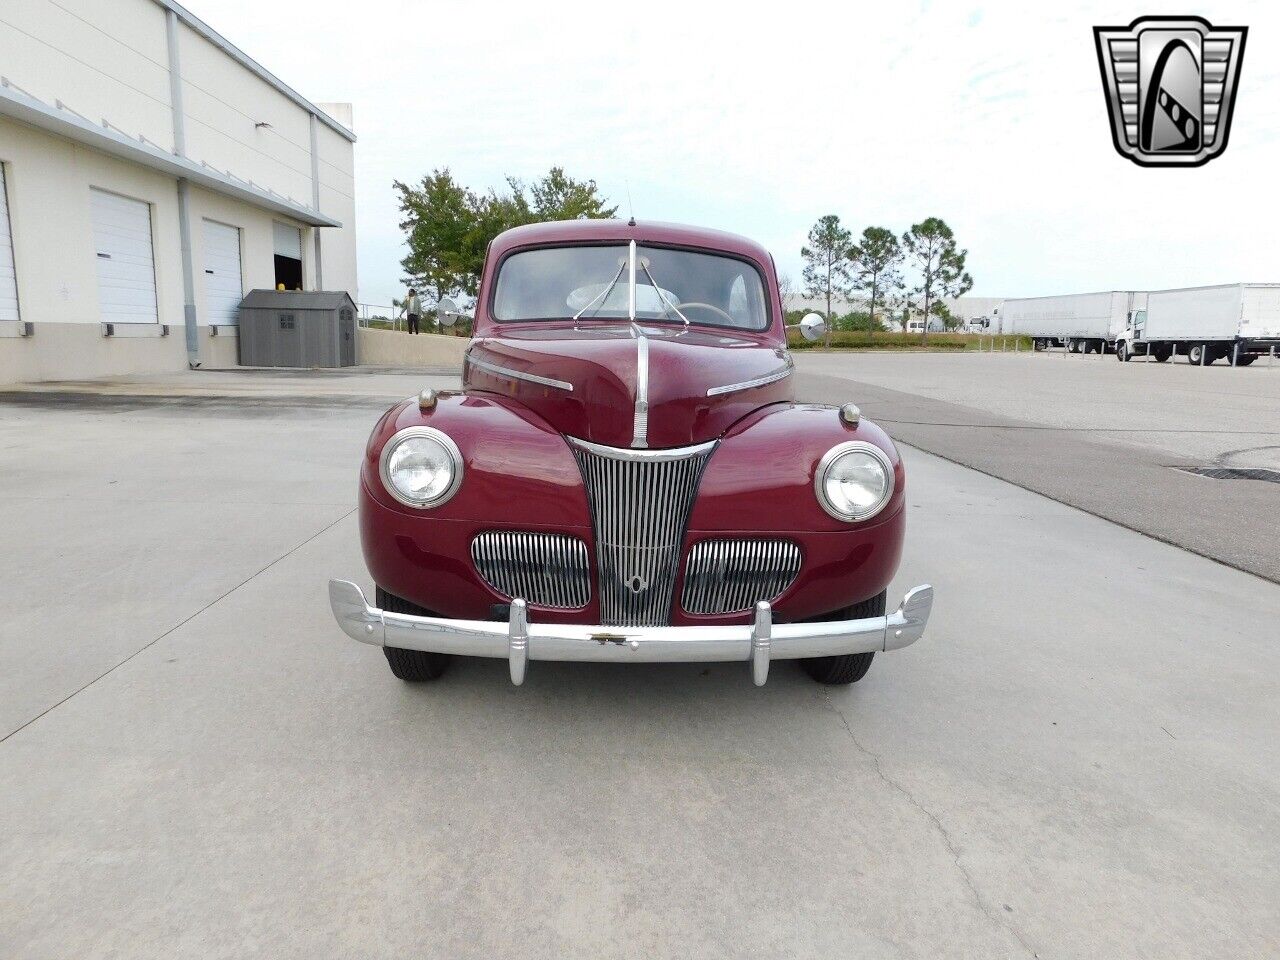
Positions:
(429, 433)
(829, 459)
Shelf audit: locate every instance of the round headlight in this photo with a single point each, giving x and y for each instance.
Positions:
(421, 467)
(854, 481)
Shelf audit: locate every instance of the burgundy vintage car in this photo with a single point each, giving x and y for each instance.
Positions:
(626, 476)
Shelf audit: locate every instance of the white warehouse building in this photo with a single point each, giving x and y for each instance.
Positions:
(150, 175)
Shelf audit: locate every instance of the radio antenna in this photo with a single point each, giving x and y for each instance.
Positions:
(630, 208)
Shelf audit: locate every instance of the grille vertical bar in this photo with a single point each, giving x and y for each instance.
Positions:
(640, 505)
(544, 569)
(729, 576)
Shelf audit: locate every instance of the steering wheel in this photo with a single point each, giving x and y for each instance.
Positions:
(708, 306)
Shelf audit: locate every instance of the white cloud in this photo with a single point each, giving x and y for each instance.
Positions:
(759, 121)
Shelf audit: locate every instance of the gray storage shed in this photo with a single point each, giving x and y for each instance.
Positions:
(292, 328)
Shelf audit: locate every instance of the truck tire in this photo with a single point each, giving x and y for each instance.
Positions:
(1122, 351)
(1073, 346)
(412, 666)
(1163, 354)
(1039, 344)
(1246, 359)
(849, 667)
(1198, 351)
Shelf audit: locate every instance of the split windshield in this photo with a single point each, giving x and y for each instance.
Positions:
(593, 283)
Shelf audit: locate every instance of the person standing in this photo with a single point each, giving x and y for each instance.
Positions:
(411, 309)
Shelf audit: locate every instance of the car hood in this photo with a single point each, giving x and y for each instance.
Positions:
(586, 382)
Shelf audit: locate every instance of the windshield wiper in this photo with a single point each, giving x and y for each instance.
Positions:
(603, 294)
(662, 297)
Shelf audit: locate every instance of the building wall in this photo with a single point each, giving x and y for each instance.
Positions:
(108, 59)
(49, 180)
(105, 59)
(223, 102)
(337, 198)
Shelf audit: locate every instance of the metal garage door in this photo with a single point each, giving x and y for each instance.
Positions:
(222, 285)
(8, 279)
(126, 266)
(287, 239)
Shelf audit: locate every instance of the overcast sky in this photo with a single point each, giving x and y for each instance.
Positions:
(990, 116)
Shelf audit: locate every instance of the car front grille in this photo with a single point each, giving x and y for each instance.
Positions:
(544, 569)
(640, 503)
(728, 576)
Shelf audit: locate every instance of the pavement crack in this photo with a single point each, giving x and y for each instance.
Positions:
(983, 907)
(180, 624)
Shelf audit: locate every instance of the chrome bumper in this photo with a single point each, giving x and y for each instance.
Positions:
(517, 641)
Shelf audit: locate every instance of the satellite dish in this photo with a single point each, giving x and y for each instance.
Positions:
(447, 312)
(812, 326)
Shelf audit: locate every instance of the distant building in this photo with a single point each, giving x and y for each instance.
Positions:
(963, 308)
(970, 308)
(150, 174)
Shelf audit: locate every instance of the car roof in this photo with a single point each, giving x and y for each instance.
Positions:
(643, 231)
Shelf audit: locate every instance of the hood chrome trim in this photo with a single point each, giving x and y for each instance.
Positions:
(651, 456)
(780, 374)
(640, 427)
(518, 374)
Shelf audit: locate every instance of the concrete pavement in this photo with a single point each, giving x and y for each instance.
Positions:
(1102, 436)
(1078, 760)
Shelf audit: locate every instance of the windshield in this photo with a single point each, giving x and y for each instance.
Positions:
(593, 283)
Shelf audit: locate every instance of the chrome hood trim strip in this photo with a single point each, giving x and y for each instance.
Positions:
(780, 374)
(650, 456)
(518, 374)
(640, 429)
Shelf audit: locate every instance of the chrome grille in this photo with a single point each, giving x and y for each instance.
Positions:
(640, 502)
(726, 576)
(544, 569)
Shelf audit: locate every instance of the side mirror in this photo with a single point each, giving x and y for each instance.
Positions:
(812, 326)
(446, 312)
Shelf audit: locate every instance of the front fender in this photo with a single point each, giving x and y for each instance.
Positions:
(760, 483)
(761, 476)
(518, 474)
(516, 469)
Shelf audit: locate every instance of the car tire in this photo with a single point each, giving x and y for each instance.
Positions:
(412, 666)
(849, 667)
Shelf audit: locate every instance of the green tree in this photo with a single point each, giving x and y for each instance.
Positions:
(439, 217)
(448, 227)
(826, 264)
(931, 247)
(876, 259)
(949, 320)
(559, 197)
(856, 320)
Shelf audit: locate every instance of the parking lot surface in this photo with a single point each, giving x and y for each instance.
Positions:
(1113, 439)
(1205, 414)
(1078, 760)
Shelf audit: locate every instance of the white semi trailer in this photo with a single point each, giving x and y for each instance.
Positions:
(1081, 322)
(1236, 322)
